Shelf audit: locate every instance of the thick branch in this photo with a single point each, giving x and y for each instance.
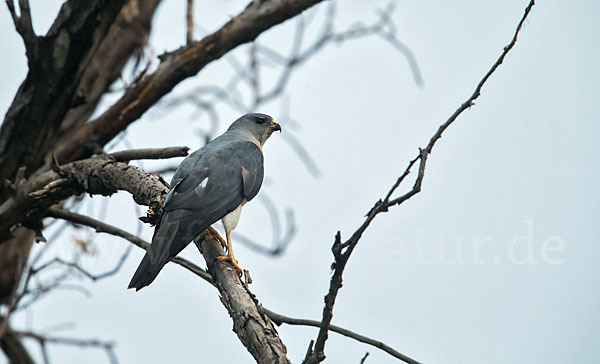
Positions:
(126, 38)
(278, 319)
(252, 326)
(177, 66)
(14, 349)
(56, 65)
(102, 175)
(342, 251)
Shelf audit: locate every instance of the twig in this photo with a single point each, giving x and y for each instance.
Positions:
(98, 175)
(364, 358)
(89, 275)
(102, 227)
(150, 153)
(275, 317)
(23, 23)
(189, 17)
(177, 66)
(279, 319)
(83, 343)
(342, 251)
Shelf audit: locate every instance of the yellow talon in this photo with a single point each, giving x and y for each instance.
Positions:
(214, 234)
(230, 257)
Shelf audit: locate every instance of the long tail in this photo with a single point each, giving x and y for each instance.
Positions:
(146, 273)
(161, 250)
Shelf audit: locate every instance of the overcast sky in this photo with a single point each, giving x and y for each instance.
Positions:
(494, 262)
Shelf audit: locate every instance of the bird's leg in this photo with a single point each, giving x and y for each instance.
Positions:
(230, 256)
(214, 234)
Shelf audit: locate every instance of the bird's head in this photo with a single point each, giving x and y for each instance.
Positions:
(259, 126)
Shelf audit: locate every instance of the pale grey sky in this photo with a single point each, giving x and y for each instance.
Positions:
(516, 176)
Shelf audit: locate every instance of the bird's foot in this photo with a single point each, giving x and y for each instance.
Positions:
(214, 234)
(233, 262)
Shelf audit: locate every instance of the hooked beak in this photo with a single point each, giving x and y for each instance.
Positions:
(276, 126)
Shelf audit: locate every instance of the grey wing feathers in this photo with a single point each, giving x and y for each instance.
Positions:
(208, 185)
(252, 171)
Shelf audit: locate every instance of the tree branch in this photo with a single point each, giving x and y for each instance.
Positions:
(14, 349)
(102, 227)
(279, 319)
(177, 66)
(189, 17)
(150, 153)
(23, 23)
(83, 343)
(254, 329)
(342, 251)
(57, 62)
(102, 175)
(125, 39)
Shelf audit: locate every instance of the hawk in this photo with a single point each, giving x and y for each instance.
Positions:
(211, 184)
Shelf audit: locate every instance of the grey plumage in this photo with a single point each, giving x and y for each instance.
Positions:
(209, 184)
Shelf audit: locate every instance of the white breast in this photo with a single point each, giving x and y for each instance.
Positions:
(230, 220)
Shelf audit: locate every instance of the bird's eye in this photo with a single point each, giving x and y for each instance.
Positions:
(260, 120)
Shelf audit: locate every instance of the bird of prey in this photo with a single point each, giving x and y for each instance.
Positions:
(211, 184)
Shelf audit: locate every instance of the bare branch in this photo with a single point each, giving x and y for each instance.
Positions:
(364, 358)
(37, 111)
(83, 343)
(14, 349)
(279, 319)
(254, 329)
(23, 23)
(102, 227)
(177, 66)
(150, 153)
(125, 39)
(342, 251)
(189, 17)
(89, 275)
(99, 175)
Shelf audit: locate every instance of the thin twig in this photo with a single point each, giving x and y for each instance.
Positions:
(342, 251)
(190, 21)
(23, 23)
(102, 227)
(275, 317)
(83, 343)
(364, 358)
(279, 319)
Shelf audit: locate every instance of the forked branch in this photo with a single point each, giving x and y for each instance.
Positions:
(342, 251)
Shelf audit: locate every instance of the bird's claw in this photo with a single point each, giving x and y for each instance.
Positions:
(214, 235)
(233, 262)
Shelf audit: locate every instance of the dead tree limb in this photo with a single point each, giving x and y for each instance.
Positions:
(177, 66)
(342, 251)
(252, 326)
(57, 62)
(102, 175)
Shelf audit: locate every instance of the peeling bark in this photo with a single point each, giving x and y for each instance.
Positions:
(252, 326)
(57, 63)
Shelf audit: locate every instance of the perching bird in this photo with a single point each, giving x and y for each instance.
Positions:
(211, 184)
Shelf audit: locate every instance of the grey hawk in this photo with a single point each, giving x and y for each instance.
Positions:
(211, 184)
